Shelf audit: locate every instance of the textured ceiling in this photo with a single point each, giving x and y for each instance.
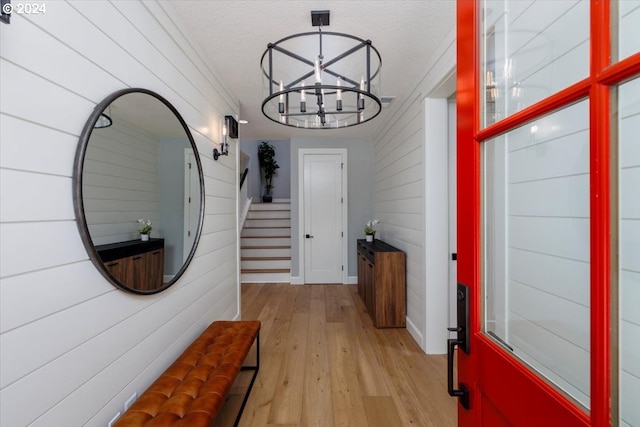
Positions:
(234, 34)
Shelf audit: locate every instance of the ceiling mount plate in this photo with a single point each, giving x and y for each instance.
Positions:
(319, 18)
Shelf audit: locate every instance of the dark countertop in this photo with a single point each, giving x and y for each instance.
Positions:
(112, 251)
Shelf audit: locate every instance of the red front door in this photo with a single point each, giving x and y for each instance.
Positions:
(540, 210)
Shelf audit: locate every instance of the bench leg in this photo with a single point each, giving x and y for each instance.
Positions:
(255, 370)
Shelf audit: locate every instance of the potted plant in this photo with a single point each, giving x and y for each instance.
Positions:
(369, 231)
(145, 228)
(268, 168)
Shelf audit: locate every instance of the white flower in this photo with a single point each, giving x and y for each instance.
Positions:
(368, 229)
(145, 225)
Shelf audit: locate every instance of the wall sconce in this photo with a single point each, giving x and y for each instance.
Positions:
(224, 145)
(230, 129)
(104, 121)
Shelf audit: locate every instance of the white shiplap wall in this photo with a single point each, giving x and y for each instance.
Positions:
(120, 182)
(629, 246)
(400, 185)
(72, 347)
(540, 47)
(629, 31)
(547, 280)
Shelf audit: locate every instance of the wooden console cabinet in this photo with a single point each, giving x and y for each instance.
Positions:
(382, 284)
(136, 264)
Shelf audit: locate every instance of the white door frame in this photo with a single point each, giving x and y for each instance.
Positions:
(301, 244)
(190, 168)
(453, 232)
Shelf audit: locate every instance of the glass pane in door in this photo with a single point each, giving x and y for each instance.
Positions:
(627, 21)
(629, 252)
(535, 245)
(530, 50)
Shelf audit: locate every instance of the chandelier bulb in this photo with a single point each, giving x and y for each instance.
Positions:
(318, 71)
(303, 100)
(281, 101)
(360, 97)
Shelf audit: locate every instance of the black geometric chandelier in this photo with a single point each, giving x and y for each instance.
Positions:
(321, 80)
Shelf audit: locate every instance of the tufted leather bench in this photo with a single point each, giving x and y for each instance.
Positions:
(192, 390)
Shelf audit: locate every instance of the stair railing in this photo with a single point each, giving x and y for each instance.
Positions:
(244, 211)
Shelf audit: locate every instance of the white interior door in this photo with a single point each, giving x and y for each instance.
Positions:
(322, 229)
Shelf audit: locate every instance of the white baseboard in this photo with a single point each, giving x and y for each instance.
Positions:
(297, 280)
(415, 333)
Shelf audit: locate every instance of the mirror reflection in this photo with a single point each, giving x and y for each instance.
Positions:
(138, 191)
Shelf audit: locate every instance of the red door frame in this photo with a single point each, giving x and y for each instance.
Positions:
(517, 396)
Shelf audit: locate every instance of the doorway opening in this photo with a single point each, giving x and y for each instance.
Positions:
(440, 219)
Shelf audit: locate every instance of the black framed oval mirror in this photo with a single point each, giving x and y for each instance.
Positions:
(137, 166)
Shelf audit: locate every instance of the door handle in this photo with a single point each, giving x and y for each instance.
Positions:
(462, 392)
(462, 341)
(309, 236)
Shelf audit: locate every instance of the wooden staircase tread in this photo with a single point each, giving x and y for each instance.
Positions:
(265, 247)
(261, 213)
(261, 228)
(267, 219)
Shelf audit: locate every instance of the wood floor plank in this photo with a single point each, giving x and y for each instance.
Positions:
(333, 308)
(283, 301)
(286, 406)
(274, 331)
(418, 393)
(254, 303)
(258, 408)
(367, 362)
(324, 364)
(381, 411)
(302, 299)
(316, 400)
(249, 293)
(410, 391)
(348, 407)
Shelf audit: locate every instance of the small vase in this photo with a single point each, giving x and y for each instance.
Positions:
(144, 237)
(369, 237)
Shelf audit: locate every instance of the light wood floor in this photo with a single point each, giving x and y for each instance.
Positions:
(322, 363)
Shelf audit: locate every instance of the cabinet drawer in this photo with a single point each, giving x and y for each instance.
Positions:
(366, 251)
